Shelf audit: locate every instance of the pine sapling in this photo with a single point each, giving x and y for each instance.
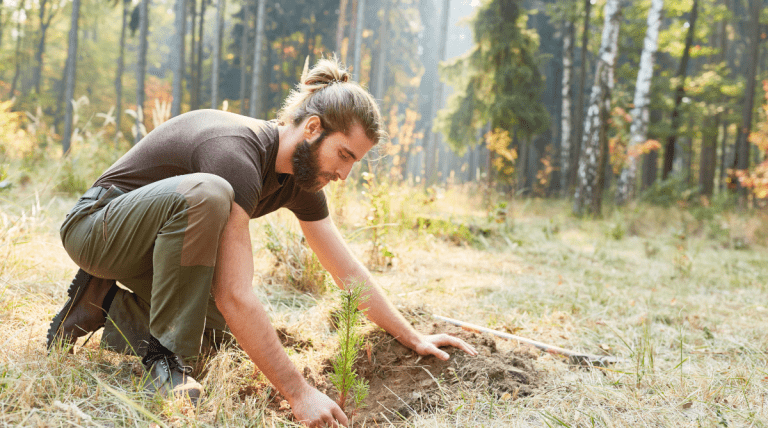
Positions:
(348, 326)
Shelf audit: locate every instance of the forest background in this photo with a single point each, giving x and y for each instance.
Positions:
(495, 91)
(591, 174)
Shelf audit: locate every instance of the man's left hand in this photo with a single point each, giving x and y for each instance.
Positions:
(429, 345)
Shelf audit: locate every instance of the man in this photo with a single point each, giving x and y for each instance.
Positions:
(169, 221)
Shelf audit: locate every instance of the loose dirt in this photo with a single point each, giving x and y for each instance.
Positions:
(403, 384)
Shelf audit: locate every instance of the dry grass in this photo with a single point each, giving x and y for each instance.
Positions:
(679, 295)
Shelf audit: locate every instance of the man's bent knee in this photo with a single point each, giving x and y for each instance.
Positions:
(209, 196)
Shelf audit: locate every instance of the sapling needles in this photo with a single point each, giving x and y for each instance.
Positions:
(348, 324)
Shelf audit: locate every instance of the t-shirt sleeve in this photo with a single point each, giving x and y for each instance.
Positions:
(223, 156)
(308, 206)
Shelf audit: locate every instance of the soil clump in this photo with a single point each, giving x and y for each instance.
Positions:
(403, 383)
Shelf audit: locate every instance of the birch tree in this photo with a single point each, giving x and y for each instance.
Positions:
(565, 119)
(576, 149)
(70, 72)
(591, 172)
(255, 81)
(641, 112)
(177, 55)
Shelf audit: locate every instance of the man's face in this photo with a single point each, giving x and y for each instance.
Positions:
(328, 157)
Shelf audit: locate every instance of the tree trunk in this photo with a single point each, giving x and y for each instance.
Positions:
(576, 146)
(430, 160)
(592, 158)
(565, 115)
(255, 81)
(177, 56)
(244, 54)
(741, 158)
(198, 79)
(381, 61)
(669, 150)
(192, 82)
(359, 25)
(708, 160)
(45, 22)
(17, 56)
(217, 54)
(119, 73)
(340, 26)
(141, 67)
(70, 73)
(640, 112)
(723, 154)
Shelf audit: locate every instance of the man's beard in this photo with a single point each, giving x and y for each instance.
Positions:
(306, 165)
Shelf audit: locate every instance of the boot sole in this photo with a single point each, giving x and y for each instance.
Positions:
(75, 293)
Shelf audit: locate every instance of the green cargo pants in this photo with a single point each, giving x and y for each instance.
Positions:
(160, 242)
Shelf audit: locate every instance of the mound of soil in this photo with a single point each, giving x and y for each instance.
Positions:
(403, 383)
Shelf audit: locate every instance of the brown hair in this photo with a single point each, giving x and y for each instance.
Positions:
(327, 92)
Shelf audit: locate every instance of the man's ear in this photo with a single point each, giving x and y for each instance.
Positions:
(312, 128)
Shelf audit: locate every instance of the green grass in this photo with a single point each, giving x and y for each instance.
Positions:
(679, 294)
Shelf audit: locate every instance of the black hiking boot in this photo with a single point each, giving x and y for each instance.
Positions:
(167, 375)
(85, 311)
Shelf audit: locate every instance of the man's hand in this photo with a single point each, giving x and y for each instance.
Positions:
(314, 409)
(429, 345)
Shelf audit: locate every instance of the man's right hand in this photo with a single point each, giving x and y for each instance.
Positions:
(315, 409)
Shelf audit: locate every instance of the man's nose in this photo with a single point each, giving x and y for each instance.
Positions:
(344, 171)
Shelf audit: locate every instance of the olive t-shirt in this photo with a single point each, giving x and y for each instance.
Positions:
(240, 149)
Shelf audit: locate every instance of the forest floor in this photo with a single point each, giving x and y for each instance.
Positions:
(677, 294)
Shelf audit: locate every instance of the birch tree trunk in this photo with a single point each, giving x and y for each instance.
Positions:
(565, 117)
(255, 81)
(71, 68)
(669, 150)
(177, 56)
(141, 67)
(216, 54)
(592, 159)
(576, 149)
(641, 112)
(119, 72)
(430, 161)
(359, 24)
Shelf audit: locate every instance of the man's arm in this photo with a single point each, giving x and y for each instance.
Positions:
(326, 241)
(248, 321)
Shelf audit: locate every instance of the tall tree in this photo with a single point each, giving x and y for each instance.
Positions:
(741, 159)
(497, 84)
(594, 147)
(177, 55)
(217, 54)
(378, 87)
(669, 149)
(70, 73)
(197, 76)
(120, 70)
(141, 67)
(565, 116)
(430, 160)
(641, 111)
(256, 89)
(576, 149)
(17, 53)
(359, 24)
(340, 26)
(45, 14)
(246, 11)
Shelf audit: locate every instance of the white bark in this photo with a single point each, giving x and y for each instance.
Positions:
(587, 192)
(565, 122)
(641, 113)
(255, 82)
